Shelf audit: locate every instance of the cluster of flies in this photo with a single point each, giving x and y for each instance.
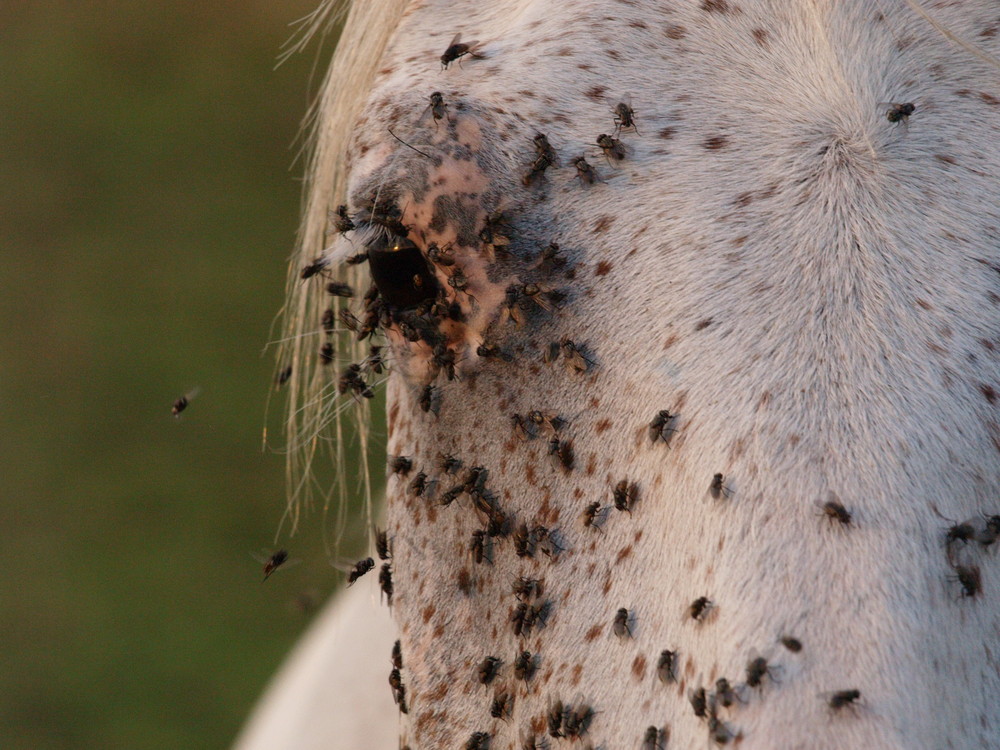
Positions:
(983, 531)
(405, 293)
(614, 150)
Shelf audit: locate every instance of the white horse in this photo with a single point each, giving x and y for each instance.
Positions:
(729, 453)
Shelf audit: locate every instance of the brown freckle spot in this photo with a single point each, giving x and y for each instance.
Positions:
(440, 692)
(593, 633)
(989, 393)
(590, 569)
(715, 6)
(607, 585)
(591, 464)
(671, 340)
(638, 535)
(387, 71)
(760, 36)
(584, 66)
(715, 142)
(639, 667)
(439, 631)
(577, 674)
(428, 613)
(596, 93)
(987, 344)
(577, 493)
(393, 413)
(638, 25)
(603, 223)
(613, 54)
(464, 581)
(744, 199)
(623, 553)
(945, 159)
(544, 508)
(675, 32)
(603, 268)
(666, 133)
(529, 473)
(564, 52)
(989, 98)
(703, 324)
(603, 425)
(924, 304)
(594, 403)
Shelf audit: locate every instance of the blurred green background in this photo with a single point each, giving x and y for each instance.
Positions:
(149, 198)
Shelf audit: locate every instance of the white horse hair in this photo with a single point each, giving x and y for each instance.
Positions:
(740, 426)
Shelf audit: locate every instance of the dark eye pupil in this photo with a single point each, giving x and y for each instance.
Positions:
(400, 272)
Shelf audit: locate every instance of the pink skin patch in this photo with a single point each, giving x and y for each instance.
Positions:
(463, 183)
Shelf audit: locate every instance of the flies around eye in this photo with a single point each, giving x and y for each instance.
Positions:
(457, 50)
(274, 560)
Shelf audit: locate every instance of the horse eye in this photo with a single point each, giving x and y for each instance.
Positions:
(401, 273)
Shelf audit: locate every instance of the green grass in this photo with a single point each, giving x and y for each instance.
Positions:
(149, 203)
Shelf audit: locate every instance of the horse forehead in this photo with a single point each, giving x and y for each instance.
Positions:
(763, 163)
(742, 109)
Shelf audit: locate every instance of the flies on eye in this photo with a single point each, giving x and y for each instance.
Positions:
(584, 171)
(593, 516)
(624, 116)
(613, 148)
(360, 568)
(338, 289)
(436, 109)
(655, 739)
(440, 256)
(313, 268)
(382, 544)
(545, 157)
(717, 488)
(401, 273)
(757, 670)
(659, 428)
(666, 667)
(620, 625)
(526, 589)
(625, 495)
(457, 50)
(341, 221)
(699, 608)
(385, 582)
